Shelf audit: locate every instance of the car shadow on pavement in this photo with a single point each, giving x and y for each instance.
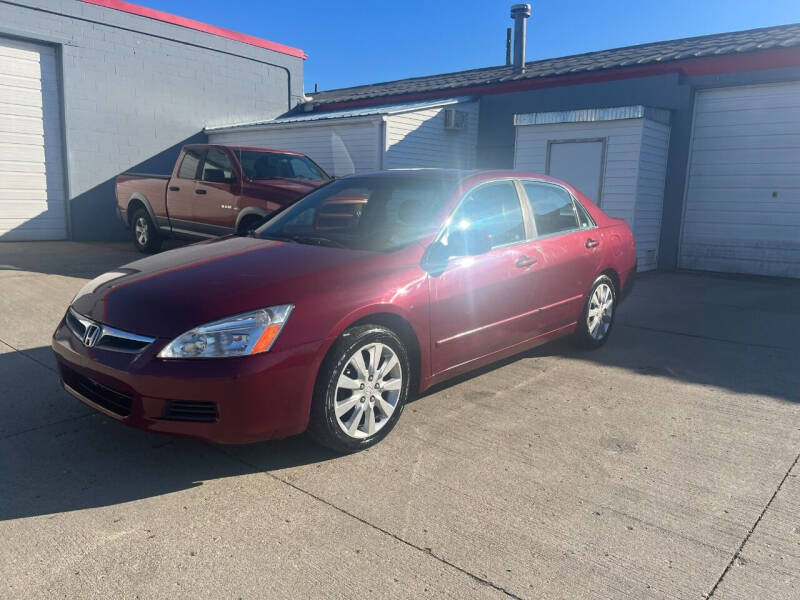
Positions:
(57, 455)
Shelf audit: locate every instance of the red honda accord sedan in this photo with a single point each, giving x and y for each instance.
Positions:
(330, 315)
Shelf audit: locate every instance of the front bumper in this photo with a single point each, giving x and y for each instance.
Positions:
(234, 400)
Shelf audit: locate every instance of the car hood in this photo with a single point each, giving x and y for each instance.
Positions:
(169, 293)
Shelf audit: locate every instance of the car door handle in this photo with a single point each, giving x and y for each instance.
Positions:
(590, 243)
(523, 262)
(201, 192)
(174, 188)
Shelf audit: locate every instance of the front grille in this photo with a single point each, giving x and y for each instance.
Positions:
(180, 410)
(110, 338)
(77, 327)
(117, 402)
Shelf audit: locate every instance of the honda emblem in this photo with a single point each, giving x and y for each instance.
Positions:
(91, 335)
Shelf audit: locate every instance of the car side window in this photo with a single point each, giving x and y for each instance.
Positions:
(493, 208)
(553, 211)
(191, 160)
(217, 167)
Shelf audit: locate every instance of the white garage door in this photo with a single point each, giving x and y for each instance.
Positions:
(31, 168)
(743, 197)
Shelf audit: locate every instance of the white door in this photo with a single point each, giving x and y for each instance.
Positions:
(742, 210)
(579, 163)
(31, 169)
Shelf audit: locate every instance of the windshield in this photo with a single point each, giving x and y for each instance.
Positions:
(273, 165)
(363, 213)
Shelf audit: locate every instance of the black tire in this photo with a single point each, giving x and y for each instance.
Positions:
(149, 241)
(324, 428)
(583, 337)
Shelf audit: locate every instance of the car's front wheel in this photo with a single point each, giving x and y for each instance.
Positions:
(361, 389)
(597, 319)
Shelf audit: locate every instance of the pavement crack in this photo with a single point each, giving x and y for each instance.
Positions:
(704, 337)
(46, 425)
(753, 528)
(427, 551)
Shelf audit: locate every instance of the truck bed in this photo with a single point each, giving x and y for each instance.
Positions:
(152, 187)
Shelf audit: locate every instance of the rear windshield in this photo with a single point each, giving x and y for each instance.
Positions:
(272, 165)
(363, 213)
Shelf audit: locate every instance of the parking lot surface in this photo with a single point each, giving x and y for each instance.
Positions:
(664, 465)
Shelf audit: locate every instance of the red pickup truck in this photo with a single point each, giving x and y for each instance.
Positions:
(213, 190)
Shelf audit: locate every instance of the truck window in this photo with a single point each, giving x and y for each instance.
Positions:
(191, 160)
(217, 167)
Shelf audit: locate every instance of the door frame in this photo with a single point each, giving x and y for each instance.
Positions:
(603, 154)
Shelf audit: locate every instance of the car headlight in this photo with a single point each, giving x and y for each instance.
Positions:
(240, 335)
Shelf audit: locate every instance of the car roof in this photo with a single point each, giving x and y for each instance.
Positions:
(455, 175)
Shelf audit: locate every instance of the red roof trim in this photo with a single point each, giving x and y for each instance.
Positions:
(709, 65)
(158, 15)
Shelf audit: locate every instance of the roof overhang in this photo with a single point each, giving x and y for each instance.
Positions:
(165, 17)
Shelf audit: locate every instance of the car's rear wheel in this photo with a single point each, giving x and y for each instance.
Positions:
(145, 236)
(597, 319)
(361, 389)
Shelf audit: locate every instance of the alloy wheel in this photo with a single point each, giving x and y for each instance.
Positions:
(367, 390)
(601, 310)
(142, 231)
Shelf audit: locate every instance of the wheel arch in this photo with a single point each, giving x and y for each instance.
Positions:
(250, 212)
(612, 274)
(139, 200)
(392, 317)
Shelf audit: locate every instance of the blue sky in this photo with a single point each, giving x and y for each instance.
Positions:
(351, 43)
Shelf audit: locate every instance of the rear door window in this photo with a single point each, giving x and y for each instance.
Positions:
(552, 208)
(190, 163)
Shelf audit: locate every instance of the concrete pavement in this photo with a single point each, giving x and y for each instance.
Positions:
(662, 466)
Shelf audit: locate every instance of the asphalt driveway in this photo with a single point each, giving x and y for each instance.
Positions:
(662, 466)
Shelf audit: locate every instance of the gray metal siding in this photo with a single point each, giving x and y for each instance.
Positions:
(136, 89)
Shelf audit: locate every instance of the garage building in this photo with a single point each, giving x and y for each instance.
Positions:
(696, 142)
(92, 88)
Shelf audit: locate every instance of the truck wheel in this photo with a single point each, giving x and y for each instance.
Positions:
(145, 235)
(249, 224)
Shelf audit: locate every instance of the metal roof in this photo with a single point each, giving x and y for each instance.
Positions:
(367, 111)
(733, 43)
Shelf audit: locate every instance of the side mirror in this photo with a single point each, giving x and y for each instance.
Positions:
(459, 243)
(468, 242)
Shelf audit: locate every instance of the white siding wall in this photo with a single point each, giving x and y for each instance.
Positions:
(343, 148)
(633, 179)
(742, 209)
(419, 139)
(650, 192)
(32, 205)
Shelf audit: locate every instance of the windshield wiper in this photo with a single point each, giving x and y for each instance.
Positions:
(317, 240)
